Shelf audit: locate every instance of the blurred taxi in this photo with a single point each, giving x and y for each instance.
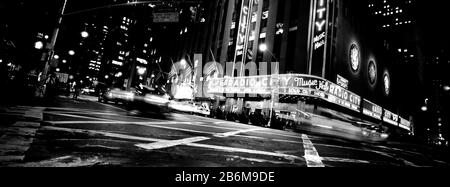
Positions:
(150, 100)
(116, 95)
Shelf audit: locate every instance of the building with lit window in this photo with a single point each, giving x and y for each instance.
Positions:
(291, 55)
(118, 49)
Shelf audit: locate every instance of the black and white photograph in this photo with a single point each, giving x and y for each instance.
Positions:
(224, 84)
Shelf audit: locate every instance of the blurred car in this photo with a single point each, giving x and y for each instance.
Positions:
(372, 132)
(150, 100)
(116, 95)
(188, 106)
(183, 106)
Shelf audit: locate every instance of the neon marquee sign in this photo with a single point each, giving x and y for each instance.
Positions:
(319, 24)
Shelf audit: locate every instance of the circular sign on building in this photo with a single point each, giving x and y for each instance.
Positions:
(372, 71)
(355, 57)
(387, 83)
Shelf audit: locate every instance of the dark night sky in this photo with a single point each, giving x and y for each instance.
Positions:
(24, 18)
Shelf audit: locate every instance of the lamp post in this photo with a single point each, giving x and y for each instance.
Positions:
(263, 48)
(53, 42)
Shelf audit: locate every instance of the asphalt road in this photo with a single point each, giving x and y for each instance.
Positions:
(71, 133)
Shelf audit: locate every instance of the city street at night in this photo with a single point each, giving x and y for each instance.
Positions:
(88, 133)
(237, 87)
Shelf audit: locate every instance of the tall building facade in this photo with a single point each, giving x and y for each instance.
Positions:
(331, 48)
(117, 49)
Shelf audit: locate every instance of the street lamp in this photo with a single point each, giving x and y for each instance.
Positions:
(84, 34)
(447, 88)
(263, 48)
(424, 108)
(183, 62)
(38, 45)
(71, 52)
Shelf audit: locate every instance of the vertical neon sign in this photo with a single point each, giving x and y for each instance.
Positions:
(243, 32)
(318, 37)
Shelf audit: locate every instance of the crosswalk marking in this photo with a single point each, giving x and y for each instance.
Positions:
(311, 155)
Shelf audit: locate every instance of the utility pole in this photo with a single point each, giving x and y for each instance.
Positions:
(51, 48)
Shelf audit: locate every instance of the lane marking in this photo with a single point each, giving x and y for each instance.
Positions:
(341, 147)
(171, 143)
(215, 147)
(348, 160)
(261, 160)
(311, 155)
(114, 114)
(191, 123)
(147, 124)
(242, 150)
(323, 126)
(228, 134)
(107, 134)
(152, 124)
(406, 162)
(75, 116)
(111, 106)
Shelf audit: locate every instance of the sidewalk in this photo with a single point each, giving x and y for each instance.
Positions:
(17, 132)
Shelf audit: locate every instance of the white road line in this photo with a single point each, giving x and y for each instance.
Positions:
(228, 134)
(260, 160)
(171, 143)
(186, 123)
(278, 134)
(287, 141)
(76, 116)
(114, 114)
(102, 122)
(147, 124)
(341, 147)
(156, 125)
(242, 150)
(311, 155)
(107, 134)
(222, 148)
(348, 160)
(112, 106)
(323, 126)
(408, 163)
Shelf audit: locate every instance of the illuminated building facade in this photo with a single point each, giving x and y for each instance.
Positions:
(300, 55)
(118, 51)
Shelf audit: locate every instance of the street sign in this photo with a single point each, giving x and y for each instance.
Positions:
(63, 77)
(165, 17)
